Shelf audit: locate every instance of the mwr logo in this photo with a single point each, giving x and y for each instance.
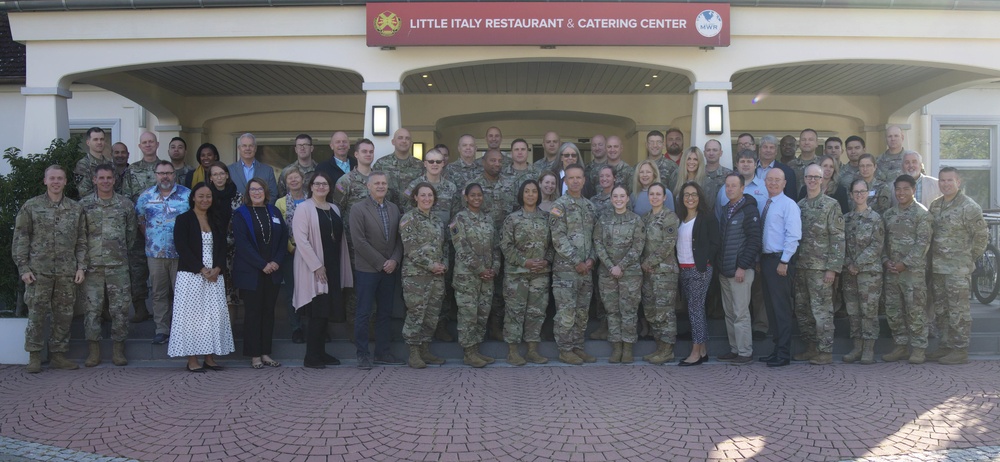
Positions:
(708, 23)
(387, 23)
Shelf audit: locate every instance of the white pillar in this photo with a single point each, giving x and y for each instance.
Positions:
(382, 94)
(711, 93)
(46, 117)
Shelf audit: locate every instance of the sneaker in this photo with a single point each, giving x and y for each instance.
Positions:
(728, 356)
(741, 360)
(298, 337)
(364, 363)
(160, 339)
(388, 360)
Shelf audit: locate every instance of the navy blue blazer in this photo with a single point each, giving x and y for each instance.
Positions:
(247, 261)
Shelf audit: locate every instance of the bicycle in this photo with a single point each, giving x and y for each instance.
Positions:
(985, 286)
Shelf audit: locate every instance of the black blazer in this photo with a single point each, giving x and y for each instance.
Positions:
(705, 240)
(330, 168)
(247, 262)
(187, 240)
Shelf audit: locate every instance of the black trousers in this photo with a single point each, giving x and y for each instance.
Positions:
(778, 299)
(258, 319)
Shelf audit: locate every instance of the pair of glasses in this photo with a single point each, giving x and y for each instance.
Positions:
(434, 161)
(864, 191)
(813, 177)
(569, 155)
(325, 185)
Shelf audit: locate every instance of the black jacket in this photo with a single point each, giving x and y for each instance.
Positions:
(330, 168)
(741, 238)
(705, 240)
(187, 240)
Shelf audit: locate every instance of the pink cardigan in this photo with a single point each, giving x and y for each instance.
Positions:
(309, 255)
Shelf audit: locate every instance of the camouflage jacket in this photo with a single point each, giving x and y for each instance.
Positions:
(848, 173)
(713, 182)
(618, 241)
(659, 252)
(476, 249)
(448, 199)
(111, 229)
(461, 174)
(83, 174)
(525, 236)
(143, 177)
(960, 235)
(423, 242)
(623, 174)
(668, 171)
(865, 237)
(879, 196)
(593, 172)
(50, 238)
(400, 172)
(350, 189)
(907, 235)
(571, 222)
(822, 242)
(890, 166)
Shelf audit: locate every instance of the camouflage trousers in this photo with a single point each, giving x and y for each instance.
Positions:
(951, 307)
(621, 302)
(814, 308)
(49, 295)
(659, 301)
(861, 295)
(109, 283)
(423, 295)
(905, 304)
(527, 296)
(572, 292)
(473, 297)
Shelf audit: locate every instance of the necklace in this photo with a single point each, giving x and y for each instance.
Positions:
(329, 215)
(260, 225)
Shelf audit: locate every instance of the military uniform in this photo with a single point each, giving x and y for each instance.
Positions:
(400, 172)
(142, 176)
(848, 173)
(544, 165)
(593, 172)
(890, 166)
(423, 246)
(50, 241)
(619, 241)
(83, 174)
(447, 205)
(713, 182)
(476, 251)
(960, 237)
(602, 204)
(571, 221)
(623, 174)
(799, 165)
(823, 229)
(865, 237)
(111, 233)
(659, 286)
(907, 239)
(668, 172)
(516, 177)
(461, 174)
(525, 236)
(879, 196)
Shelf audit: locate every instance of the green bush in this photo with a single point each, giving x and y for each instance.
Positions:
(22, 183)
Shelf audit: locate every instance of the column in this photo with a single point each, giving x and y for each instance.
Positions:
(382, 94)
(46, 117)
(705, 94)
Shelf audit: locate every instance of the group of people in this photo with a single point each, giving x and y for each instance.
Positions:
(492, 242)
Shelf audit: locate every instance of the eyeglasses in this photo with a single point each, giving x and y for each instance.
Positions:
(569, 155)
(813, 177)
(165, 173)
(325, 185)
(435, 161)
(863, 191)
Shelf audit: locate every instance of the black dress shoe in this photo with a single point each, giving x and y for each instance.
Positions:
(768, 358)
(778, 363)
(330, 360)
(298, 336)
(214, 368)
(198, 370)
(698, 362)
(314, 363)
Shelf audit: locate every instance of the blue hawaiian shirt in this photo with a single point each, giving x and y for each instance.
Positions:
(158, 214)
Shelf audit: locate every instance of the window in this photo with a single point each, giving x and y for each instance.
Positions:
(970, 145)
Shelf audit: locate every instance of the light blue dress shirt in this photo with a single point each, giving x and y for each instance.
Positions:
(782, 226)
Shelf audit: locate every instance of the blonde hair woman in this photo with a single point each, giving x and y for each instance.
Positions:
(692, 169)
(646, 174)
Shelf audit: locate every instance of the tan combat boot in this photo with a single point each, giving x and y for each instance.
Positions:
(415, 361)
(569, 357)
(868, 352)
(938, 354)
(660, 346)
(899, 353)
(917, 356)
(118, 354)
(533, 356)
(668, 355)
(34, 362)
(94, 355)
(471, 358)
(427, 356)
(602, 331)
(583, 355)
(627, 353)
(616, 353)
(484, 358)
(821, 359)
(855, 354)
(513, 356)
(59, 361)
(810, 353)
(957, 356)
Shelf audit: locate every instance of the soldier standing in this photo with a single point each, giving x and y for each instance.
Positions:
(50, 251)
(498, 199)
(111, 232)
(424, 266)
(143, 176)
(660, 274)
(95, 156)
(865, 237)
(960, 237)
(401, 168)
(908, 231)
(477, 267)
(818, 264)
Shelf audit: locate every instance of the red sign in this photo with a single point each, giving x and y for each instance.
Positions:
(529, 23)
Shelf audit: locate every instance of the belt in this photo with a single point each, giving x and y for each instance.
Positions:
(772, 255)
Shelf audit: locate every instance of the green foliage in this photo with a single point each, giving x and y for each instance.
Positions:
(22, 183)
(961, 142)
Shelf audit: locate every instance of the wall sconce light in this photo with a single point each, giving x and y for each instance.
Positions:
(713, 119)
(380, 120)
(418, 150)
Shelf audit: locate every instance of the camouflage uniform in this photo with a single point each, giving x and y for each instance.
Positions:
(423, 246)
(571, 221)
(799, 165)
(659, 287)
(111, 233)
(823, 229)
(879, 197)
(307, 174)
(907, 239)
(848, 173)
(447, 205)
(516, 177)
(525, 236)
(544, 165)
(619, 241)
(713, 182)
(865, 236)
(890, 166)
(960, 237)
(400, 172)
(505, 160)
(84, 172)
(623, 174)
(498, 202)
(602, 203)
(668, 172)
(461, 174)
(142, 176)
(475, 251)
(592, 172)
(50, 241)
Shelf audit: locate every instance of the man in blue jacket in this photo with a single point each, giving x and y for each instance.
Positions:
(741, 243)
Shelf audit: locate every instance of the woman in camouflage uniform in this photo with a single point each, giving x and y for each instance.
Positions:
(424, 266)
(660, 274)
(865, 234)
(476, 264)
(618, 241)
(879, 194)
(527, 251)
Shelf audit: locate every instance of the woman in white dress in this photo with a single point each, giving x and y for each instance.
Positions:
(200, 323)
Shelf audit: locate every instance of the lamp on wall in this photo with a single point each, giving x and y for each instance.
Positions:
(380, 120)
(418, 150)
(713, 119)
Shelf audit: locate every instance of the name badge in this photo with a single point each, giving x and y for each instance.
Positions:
(275, 220)
(871, 193)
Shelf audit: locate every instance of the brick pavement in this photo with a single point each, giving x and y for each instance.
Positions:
(596, 412)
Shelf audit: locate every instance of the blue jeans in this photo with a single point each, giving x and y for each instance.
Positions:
(373, 288)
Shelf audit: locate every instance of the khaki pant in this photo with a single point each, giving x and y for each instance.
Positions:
(736, 304)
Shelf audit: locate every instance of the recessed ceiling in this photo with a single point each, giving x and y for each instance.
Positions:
(251, 79)
(832, 79)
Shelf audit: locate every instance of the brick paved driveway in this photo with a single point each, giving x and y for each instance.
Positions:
(595, 412)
